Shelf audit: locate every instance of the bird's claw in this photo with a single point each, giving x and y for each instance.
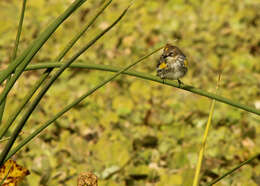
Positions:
(180, 82)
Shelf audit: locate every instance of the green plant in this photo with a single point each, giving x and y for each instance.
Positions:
(22, 63)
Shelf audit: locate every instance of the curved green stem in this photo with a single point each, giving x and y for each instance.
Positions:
(44, 76)
(152, 78)
(75, 102)
(19, 31)
(45, 88)
(19, 64)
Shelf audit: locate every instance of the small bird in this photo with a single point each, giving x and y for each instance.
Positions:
(172, 64)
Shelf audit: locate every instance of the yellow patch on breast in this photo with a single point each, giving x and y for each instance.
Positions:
(162, 65)
(185, 63)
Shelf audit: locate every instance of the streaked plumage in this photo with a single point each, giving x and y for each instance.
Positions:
(172, 63)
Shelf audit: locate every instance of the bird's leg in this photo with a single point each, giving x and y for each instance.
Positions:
(163, 80)
(179, 81)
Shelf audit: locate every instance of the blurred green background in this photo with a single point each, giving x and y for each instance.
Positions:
(148, 132)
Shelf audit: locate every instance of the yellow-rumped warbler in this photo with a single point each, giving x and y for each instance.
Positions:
(172, 64)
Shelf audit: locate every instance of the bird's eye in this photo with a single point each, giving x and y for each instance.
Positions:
(171, 54)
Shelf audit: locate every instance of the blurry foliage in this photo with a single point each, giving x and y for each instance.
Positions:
(99, 134)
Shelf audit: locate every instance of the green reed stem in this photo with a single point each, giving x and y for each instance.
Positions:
(19, 31)
(47, 86)
(36, 86)
(204, 141)
(234, 169)
(77, 101)
(189, 88)
(22, 61)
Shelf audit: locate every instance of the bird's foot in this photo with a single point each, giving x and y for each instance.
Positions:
(180, 82)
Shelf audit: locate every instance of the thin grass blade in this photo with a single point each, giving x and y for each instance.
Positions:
(47, 86)
(150, 77)
(25, 58)
(19, 31)
(3, 180)
(234, 169)
(47, 72)
(85, 28)
(204, 141)
(74, 103)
